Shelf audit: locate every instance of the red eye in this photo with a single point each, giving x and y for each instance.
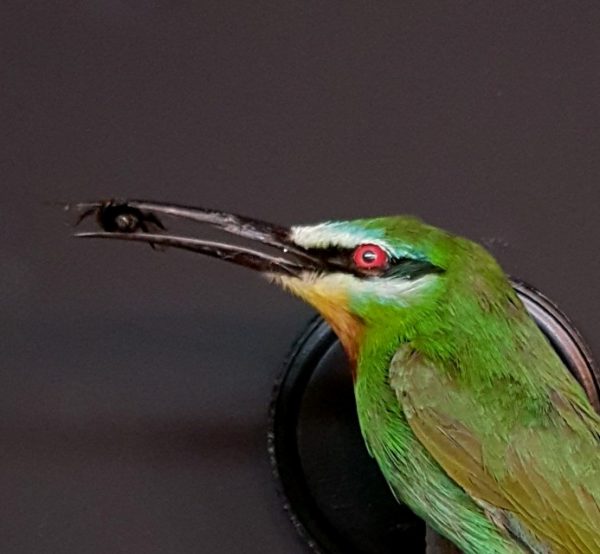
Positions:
(370, 256)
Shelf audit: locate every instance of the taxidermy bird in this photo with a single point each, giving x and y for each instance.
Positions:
(475, 422)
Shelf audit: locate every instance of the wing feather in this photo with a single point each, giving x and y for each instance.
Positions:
(544, 475)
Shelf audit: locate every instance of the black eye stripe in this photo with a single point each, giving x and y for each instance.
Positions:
(340, 259)
(410, 268)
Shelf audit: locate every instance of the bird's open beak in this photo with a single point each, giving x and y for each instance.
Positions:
(140, 221)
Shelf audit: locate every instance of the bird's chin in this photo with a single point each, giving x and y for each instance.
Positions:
(331, 303)
(312, 289)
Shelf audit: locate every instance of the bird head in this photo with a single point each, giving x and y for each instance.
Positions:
(361, 274)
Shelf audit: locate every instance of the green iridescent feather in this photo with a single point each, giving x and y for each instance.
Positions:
(474, 420)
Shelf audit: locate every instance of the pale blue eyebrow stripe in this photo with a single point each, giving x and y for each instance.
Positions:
(346, 234)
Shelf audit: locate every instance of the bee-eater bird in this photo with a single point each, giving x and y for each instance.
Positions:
(474, 420)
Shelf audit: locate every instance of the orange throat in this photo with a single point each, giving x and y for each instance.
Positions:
(347, 327)
(333, 306)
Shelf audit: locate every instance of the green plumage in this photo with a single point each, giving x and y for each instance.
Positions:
(474, 420)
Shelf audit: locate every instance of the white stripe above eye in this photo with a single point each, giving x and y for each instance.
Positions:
(325, 235)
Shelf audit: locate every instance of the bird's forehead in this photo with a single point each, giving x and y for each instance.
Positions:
(341, 234)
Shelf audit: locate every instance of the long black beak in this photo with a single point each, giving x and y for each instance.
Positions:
(140, 221)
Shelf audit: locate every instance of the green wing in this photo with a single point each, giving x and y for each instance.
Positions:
(538, 478)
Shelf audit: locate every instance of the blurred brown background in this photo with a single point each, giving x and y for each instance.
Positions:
(134, 385)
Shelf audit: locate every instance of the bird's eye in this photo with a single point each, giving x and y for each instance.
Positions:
(370, 256)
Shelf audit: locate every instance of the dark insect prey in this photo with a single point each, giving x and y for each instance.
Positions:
(118, 217)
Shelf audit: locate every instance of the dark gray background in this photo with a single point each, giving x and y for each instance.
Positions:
(134, 385)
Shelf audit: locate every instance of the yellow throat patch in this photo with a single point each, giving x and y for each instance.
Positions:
(332, 304)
